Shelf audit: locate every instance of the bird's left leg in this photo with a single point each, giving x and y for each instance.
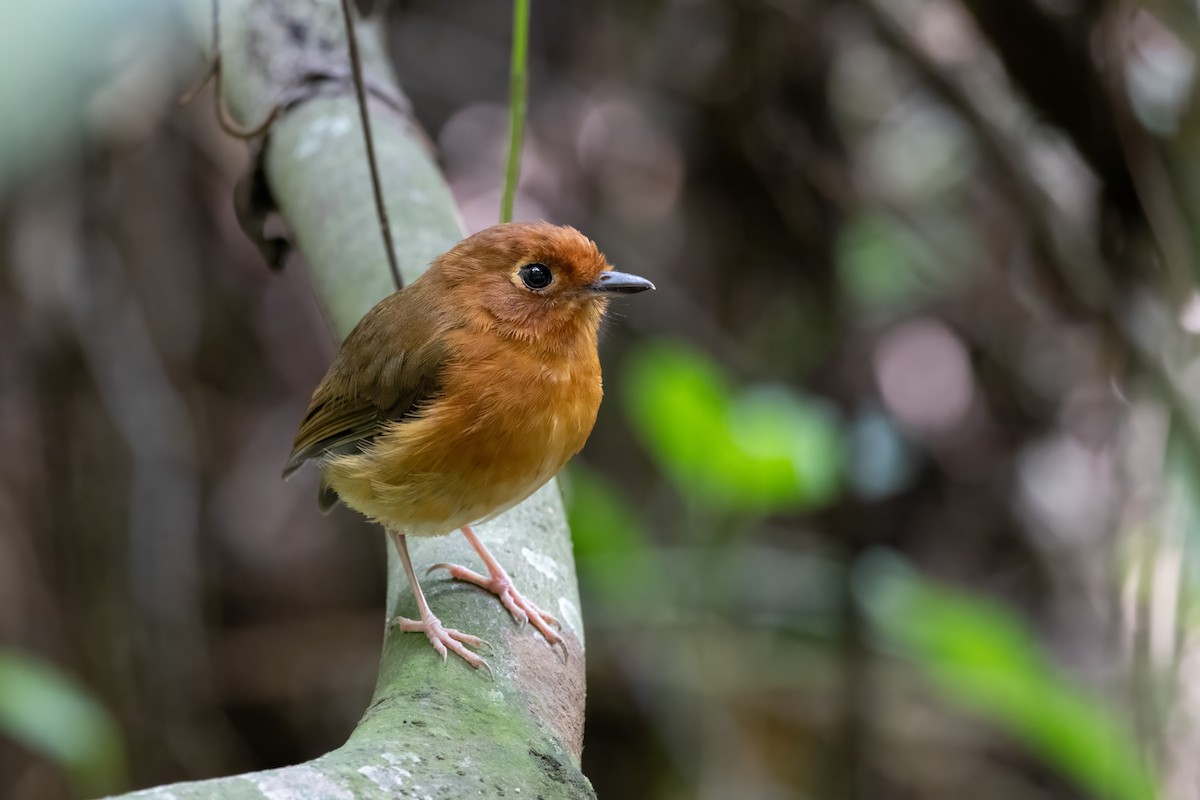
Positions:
(499, 584)
(442, 638)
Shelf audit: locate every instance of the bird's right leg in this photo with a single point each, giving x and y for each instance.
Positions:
(441, 638)
(500, 584)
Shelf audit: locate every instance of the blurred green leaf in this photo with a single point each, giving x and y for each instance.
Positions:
(611, 549)
(1180, 525)
(767, 449)
(600, 519)
(879, 262)
(47, 712)
(983, 658)
(763, 587)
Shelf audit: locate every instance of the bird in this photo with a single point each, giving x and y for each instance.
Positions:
(458, 396)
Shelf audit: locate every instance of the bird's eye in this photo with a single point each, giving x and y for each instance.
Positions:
(535, 276)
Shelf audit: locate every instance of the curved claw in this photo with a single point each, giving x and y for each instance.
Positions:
(549, 635)
(516, 612)
(445, 640)
(476, 661)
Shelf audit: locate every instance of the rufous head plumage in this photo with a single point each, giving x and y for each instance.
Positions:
(534, 280)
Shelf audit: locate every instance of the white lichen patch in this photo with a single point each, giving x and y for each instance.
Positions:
(571, 617)
(298, 783)
(390, 779)
(320, 133)
(496, 696)
(403, 758)
(542, 563)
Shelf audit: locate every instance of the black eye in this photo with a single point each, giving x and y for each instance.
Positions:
(535, 276)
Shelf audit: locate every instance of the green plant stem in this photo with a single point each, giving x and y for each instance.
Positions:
(518, 86)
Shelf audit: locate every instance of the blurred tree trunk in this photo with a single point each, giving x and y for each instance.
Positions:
(432, 729)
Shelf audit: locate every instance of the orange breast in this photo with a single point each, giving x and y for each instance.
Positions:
(507, 420)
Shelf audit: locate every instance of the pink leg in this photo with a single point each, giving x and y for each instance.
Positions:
(441, 638)
(499, 584)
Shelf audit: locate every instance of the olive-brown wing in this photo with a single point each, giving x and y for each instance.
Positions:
(387, 369)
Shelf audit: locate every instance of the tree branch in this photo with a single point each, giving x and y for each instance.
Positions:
(432, 729)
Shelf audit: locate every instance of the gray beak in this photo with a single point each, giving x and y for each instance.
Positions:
(613, 282)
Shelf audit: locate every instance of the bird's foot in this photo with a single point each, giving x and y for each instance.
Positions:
(523, 609)
(445, 639)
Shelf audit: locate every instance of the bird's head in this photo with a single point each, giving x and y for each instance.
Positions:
(534, 280)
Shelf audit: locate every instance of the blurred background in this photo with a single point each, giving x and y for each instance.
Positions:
(896, 489)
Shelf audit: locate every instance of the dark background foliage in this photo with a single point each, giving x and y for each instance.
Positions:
(892, 492)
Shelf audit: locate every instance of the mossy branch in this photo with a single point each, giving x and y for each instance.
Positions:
(432, 729)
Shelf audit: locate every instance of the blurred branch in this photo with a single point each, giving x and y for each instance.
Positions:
(1145, 161)
(213, 73)
(1065, 250)
(1051, 59)
(432, 728)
